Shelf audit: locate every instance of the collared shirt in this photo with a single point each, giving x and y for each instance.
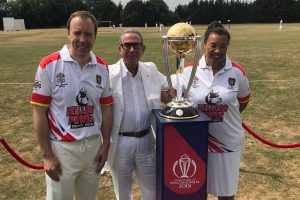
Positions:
(136, 112)
(223, 92)
(74, 96)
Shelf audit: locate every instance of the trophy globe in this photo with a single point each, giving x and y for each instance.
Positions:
(181, 39)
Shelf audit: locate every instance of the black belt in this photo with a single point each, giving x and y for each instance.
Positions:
(135, 134)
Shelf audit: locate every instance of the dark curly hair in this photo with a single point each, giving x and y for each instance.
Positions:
(217, 28)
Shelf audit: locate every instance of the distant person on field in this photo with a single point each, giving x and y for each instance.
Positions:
(160, 28)
(280, 25)
(137, 88)
(72, 113)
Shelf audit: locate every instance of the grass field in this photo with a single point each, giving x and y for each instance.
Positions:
(270, 57)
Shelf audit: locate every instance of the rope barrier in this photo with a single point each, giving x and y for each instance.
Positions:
(39, 167)
(18, 158)
(268, 142)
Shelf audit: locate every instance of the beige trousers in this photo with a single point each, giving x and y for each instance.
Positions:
(79, 180)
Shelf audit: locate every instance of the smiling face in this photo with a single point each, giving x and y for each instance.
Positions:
(131, 49)
(215, 50)
(82, 37)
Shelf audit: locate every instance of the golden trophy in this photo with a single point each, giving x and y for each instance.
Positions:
(181, 39)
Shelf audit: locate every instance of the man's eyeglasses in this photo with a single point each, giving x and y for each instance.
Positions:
(134, 45)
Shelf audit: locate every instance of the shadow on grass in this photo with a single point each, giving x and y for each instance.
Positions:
(274, 176)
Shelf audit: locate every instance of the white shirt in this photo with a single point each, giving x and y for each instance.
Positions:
(135, 104)
(74, 96)
(222, 93)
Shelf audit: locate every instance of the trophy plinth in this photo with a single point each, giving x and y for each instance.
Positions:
(181, 39)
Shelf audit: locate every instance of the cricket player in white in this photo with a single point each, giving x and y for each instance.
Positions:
(221, 90)
(72, 113)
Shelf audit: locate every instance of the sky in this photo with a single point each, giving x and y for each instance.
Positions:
(172, 4)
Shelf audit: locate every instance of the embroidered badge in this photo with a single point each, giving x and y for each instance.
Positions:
(98, 81)
(231, 81)
(60, 79)
(195, 82)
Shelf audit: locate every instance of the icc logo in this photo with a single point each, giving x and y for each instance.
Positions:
(184, 167)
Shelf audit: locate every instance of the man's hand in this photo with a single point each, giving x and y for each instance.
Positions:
(52, 167)
(101, 156)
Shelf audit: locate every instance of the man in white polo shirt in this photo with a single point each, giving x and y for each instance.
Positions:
(72, 113)
(137, 88)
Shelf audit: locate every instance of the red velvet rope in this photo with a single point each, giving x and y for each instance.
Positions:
(18, 158)
(268, 142)
(39, 167)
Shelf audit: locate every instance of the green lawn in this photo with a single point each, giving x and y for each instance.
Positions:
(271, 59)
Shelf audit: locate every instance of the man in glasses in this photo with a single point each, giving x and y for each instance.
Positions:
(137, 88)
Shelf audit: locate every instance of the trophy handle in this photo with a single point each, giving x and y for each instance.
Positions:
(196, 60)
(166, 63)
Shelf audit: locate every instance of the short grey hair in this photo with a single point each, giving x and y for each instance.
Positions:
(131, 31)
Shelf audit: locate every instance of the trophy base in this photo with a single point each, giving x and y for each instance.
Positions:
(176, 110)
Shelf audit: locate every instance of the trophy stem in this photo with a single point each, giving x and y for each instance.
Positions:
(166, 64)
(195, 64)
(179, 75)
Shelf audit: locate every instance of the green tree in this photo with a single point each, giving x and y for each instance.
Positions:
(104, 10)
(157, 11)
(133, 13)
(266, 11)
(3, 12)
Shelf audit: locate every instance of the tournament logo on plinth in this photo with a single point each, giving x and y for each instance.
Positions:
(183, 167)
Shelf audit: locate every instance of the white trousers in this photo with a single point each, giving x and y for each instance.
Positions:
(79, 179)
(135, 154)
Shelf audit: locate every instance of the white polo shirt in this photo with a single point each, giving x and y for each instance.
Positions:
(74, 96)
(219, 96)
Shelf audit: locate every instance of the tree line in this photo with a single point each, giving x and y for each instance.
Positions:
(54, 13)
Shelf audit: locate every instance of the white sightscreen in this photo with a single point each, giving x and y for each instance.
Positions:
(8, 23)
(19, 25)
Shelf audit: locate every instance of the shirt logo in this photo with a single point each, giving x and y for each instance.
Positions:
(60, 79)
(195, 82)
(213, 98)
(81, 115)
(37, 85)
(98, 81)
(82, 98)
(213, 108)
(231, 81)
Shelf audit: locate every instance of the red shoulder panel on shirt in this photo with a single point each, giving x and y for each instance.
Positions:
(101, 61)
(189, 65)
(234, 64)
(49, 59)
